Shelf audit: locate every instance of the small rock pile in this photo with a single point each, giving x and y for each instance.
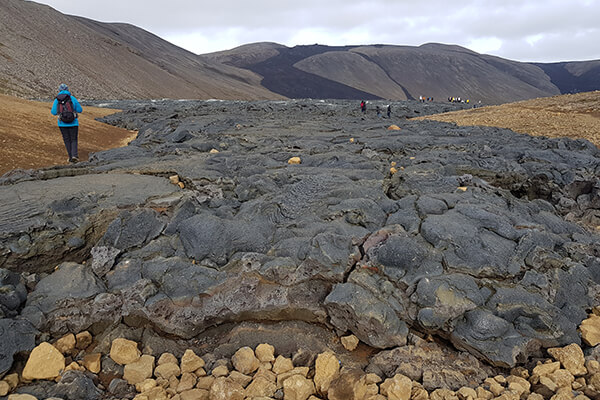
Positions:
(259, 374)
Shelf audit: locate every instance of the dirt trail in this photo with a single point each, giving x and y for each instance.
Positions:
(30, 138)
(575, 116)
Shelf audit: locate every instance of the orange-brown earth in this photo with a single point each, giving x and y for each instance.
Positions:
(30, 138)
(571, 115)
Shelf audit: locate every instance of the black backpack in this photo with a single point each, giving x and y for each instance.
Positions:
(66, 111)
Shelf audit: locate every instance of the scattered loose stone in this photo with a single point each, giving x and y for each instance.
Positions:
(265, 353)
(66, 344)
(124, 351)
(140, 370)
(349, 342)
(294, 160)
(590, 330)
(84, 340)
(190, 362)
(571, 358)
(92, 362)
(44, 362)
(245, 361)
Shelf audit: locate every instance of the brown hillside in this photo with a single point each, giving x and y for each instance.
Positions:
(106, 60)
(574, 116)
(31, 139)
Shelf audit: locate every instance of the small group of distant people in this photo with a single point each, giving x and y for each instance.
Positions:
(424, 99)
(363, 109)
(66, 107)
(457, 100)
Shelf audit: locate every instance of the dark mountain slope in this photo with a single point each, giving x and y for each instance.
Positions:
(574, 77)
(406, 72)
(40, 48)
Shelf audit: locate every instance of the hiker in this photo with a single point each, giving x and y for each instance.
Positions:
(389, 111)
(378, 111)
(66, 107)
(363, 106)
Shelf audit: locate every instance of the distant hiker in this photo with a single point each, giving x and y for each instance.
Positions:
(363, 106)
(378, 111)
(389, 111)
(66, 107)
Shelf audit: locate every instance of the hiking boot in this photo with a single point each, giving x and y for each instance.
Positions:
(74, 160)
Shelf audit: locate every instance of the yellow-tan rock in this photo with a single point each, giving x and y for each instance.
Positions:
(167, 358)
(295, 160)
(92, 362)
(214, 151)
(261, 387)
(195, 394)
(265, 352)
(466, 393)
(590, 330)
(518, 385)
(12, 380)
(22, 396)
(66, 344)
(146, 385)
(244, 360)
(74, 366)
(140, 370)
(397, 388)
(156, 393)
(562, 378)
(174, 179)
(205, 382)
(297, 387)
(394, 128)
(327, 368)
(83, 339)
(302, 371)
(4, 388)
(226, 389)
(349, 342)
(167, 370)
(124, 351)
(282, 364)
(240, 378)
(44, 362)
(546, 369)
(220, 371)
(187, 382)
(191, 362)
(571, 358)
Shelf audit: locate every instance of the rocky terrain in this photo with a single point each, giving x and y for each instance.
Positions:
(452, 254)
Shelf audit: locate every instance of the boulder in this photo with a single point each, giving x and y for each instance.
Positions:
(17, 336)
(140, 370)
(245, 361)
(44, 362)
(124, 351)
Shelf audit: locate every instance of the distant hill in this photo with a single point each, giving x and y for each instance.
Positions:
(405, 72)
(41, 47)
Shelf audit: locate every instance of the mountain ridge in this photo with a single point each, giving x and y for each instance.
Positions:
(41, 48)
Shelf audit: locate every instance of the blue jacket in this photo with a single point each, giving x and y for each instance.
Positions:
(76, 106)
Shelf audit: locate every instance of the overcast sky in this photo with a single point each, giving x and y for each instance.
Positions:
(524, 30)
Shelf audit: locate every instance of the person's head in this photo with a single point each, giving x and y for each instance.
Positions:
(62, 87)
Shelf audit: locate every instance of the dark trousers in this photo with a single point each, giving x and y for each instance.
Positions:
(69, 134)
